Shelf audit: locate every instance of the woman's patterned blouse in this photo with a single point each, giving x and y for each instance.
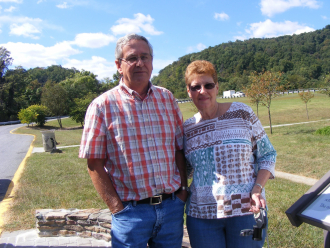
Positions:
(225, 154)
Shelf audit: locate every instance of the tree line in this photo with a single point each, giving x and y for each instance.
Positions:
(303, 60)
(62, 91)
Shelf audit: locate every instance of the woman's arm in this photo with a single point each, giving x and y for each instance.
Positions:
(257, 200)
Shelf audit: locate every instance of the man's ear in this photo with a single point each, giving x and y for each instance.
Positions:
(118, 64)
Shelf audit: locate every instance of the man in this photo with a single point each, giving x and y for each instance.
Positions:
(133, 140)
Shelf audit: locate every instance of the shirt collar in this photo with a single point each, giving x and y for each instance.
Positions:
(133, 92)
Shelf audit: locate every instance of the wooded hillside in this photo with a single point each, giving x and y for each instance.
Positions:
(304, 59)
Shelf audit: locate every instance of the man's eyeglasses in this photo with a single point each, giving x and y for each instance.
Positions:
(134, 59)
(208, 86)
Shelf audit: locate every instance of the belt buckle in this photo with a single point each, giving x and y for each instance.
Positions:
(160, 197)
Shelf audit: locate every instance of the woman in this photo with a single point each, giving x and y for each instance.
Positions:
(232, 159)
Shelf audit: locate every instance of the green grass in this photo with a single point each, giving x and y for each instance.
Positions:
(58, 180)
(300, 151)
(61, 135)
(323, 131)
(281, 194)
(290, 109)
(62, 181)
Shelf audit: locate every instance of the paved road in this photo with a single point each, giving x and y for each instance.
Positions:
(13, 148)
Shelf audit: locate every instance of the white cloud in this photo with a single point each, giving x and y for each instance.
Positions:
(93, 40)
(37, 22)
(63, 5)
(272, 7)
(221, 16)
(19, 19)
(269, 29)
(141, 22)
(97, 65)
(11, 1)
(199, 47)
(40, 1)
(34, 55)
(26, 30)
(324, 17)
(11, 9)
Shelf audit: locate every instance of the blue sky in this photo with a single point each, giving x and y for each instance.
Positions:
(83, 33)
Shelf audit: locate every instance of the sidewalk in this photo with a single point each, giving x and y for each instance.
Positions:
(296, 178)
(30, 238)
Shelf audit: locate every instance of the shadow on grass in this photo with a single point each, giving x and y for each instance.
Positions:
(293, 132)
(37, 128)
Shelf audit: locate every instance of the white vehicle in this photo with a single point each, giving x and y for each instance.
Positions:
(238, 94)
(228, 93)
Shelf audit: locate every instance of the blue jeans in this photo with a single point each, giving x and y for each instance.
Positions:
(159, 225)
(222, 233)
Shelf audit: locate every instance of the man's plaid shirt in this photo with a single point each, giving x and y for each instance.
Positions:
(138, 138)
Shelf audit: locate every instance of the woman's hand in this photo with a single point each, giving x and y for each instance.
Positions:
(257, 201)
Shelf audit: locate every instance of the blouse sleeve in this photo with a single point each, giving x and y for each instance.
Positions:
(263, 151)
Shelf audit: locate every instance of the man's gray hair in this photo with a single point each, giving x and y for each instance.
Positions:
(125, 40)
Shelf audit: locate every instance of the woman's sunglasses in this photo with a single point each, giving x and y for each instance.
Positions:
(208, 86)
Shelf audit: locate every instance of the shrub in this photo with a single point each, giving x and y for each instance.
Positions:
(323, 131)
(34, 113)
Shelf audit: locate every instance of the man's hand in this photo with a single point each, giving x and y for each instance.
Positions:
(103, 185)
(182, 195)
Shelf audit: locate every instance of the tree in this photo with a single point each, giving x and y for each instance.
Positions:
(34, 113)
(78, 111)
(33, 92)
(55, 98)
(107, 83)
(269, 87)
(5, 61)
(306, 97)
(81, 84)
(12, 88)
(255, 93)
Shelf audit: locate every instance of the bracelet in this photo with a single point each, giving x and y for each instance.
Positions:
(258, 184)
(185, 188)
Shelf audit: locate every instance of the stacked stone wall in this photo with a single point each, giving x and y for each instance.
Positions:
(86, 223)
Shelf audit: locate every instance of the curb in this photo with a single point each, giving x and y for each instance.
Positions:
(11, 191)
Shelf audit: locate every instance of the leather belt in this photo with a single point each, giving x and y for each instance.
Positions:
(155, 200)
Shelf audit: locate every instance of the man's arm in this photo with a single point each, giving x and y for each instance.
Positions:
(181, 163)
(103, 184)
